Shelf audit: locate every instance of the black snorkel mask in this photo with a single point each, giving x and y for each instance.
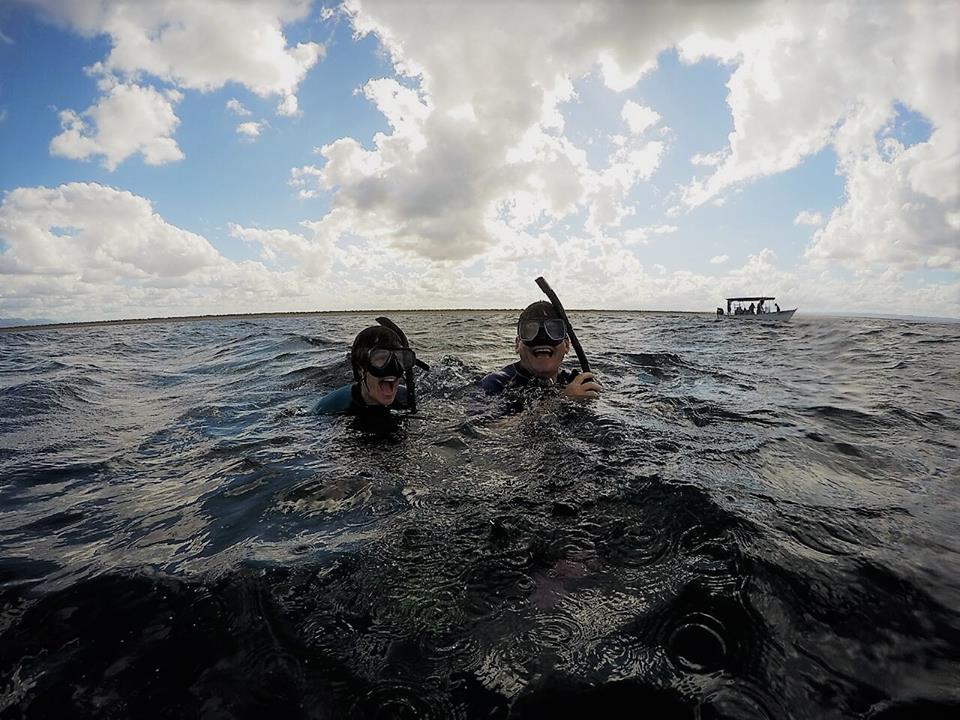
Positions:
(541, 331)
(385, 362)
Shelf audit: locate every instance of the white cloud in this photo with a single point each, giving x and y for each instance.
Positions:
(641, 236)
(128, 119)
(481, 134)
(638, 117)
(85, 251)
(199, 46)
(237, 108)
(5, 39)
(708, 159)
(900, 212)
(719, 259)
(806, 217)
(81, 230)
(192, 46)
(312, 257)
(830, 74)
(250, 130)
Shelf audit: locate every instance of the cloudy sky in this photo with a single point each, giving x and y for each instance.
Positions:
(169, 157)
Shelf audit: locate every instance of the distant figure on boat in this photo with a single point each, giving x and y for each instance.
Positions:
(759, 308)
(541, 342)
(719, 311)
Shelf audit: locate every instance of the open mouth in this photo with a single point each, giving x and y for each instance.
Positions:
(388, 384)
(542, 351)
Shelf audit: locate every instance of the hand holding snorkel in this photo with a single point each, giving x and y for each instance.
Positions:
(583, 387)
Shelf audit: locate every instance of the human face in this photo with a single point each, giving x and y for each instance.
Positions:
(379, 390)
(542, 361)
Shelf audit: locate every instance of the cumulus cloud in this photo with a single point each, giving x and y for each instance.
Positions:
(199, 46)
(88, 251)
(237, 108)
(191, 46)
(832, 75)
(806, 217)
(250, 130)
(128, 119)
(89, 230)
(900, 212)
(638, 117)
(641, 236)
(313, 256)
(719, 259)
(476, 136)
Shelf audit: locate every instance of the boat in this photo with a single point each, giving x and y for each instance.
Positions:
(758, 309)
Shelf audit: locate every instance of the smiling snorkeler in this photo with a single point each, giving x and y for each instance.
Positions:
(542, 342)
(380, 358)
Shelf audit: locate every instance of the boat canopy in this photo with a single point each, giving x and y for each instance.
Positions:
(749, 299)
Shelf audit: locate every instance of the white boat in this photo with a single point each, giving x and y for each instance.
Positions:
(758, 309)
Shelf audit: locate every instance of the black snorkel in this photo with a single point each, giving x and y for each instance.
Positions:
(408, 375)
(555, 301)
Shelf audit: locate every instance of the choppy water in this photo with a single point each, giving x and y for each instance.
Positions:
(755, 521)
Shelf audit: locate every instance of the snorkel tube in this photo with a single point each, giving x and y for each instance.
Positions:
(408, 375)
(555, 301)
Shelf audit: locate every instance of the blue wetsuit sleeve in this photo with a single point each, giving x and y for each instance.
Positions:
(336, 402)
(496, 382)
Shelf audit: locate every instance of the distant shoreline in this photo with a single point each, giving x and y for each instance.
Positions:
(297, 313)
(307, 313)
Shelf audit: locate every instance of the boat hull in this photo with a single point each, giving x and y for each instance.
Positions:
(781, 316)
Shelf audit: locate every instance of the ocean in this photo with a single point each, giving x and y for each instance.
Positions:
(753, 521)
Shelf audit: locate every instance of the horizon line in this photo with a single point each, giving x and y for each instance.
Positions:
(298, 313)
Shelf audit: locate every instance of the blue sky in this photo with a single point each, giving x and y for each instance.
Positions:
(417, 155)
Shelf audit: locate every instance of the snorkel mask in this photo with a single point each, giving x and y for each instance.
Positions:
(389, 361)
(550, 331)
(539, 325)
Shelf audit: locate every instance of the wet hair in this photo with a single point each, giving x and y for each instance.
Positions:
(366, 340)
(540, 310)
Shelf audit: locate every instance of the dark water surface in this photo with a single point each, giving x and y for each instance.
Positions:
(754, 521)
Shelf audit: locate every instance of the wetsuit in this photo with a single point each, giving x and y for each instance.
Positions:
(347, 400)
(515, 375)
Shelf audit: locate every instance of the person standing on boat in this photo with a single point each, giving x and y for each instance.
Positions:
(542, 342)
(777, 306)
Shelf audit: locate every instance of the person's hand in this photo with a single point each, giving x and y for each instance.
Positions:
(582, 387)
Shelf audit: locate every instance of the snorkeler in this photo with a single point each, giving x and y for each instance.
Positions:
(380, 356)
(542, 342)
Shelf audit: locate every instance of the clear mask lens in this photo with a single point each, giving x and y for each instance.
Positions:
(381, 358)
(554, 330)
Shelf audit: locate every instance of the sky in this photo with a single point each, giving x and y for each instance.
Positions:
(168, 157)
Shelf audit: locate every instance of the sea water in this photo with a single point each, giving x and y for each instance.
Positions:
(753, 521)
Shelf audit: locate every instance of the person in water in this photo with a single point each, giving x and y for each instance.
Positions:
(379, 359)
(542, 342)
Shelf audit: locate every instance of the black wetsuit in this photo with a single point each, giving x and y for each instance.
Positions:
(348, 400)
(515, 375)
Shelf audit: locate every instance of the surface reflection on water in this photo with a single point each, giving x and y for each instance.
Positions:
(752, 522)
